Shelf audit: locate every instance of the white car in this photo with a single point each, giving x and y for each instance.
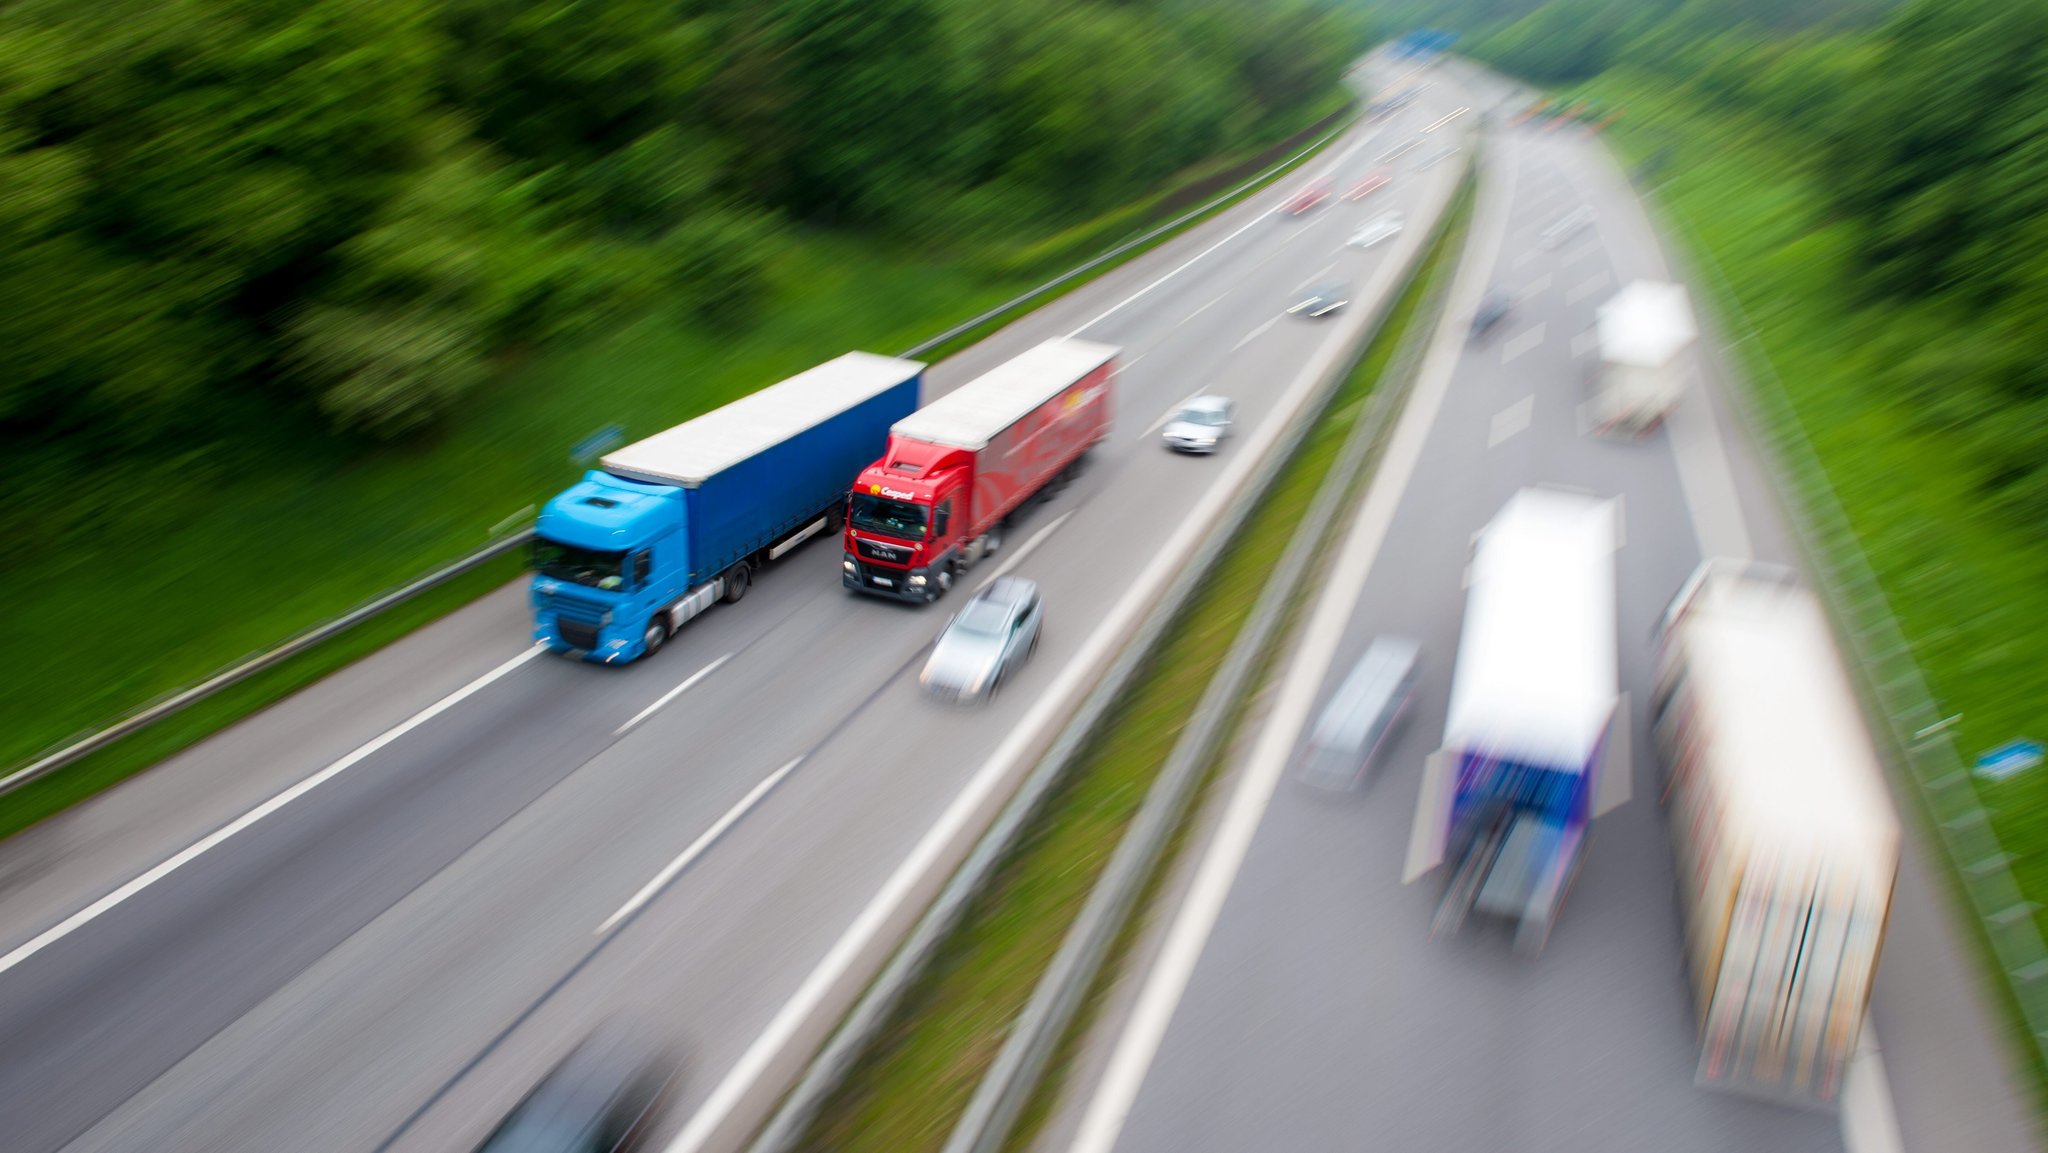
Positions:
(1200, 425)
(1385, 226)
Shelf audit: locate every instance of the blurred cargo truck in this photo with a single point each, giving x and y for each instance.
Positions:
(668, 526)
(1643, 335)
(1786, 840)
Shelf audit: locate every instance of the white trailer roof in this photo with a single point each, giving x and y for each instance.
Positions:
(696, 450)
(1646, 324)
(973, 414)
(1536, 676)
(1785, 740)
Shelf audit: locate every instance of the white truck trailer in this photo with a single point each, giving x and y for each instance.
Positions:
(1643, 333)
(1786, 840)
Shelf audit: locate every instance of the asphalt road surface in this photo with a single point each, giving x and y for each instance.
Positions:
(1289, 997)
(369, 917)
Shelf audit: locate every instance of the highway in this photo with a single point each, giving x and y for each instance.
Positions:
(1287, 995)
(369, 917)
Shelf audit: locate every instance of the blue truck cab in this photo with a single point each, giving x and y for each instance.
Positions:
(668, 526)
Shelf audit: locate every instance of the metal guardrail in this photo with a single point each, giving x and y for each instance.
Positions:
(1014, 1077)
(864, 1024)
(184, 698)
(1890, 678)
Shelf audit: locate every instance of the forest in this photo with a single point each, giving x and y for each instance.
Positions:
(213, 212)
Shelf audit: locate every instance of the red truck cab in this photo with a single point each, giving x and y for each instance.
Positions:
(956, 469)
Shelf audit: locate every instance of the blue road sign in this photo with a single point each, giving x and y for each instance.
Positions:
(2009, 758)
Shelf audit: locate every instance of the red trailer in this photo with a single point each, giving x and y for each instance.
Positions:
(957, 468)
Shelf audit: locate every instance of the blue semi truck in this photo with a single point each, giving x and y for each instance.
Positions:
(668, 526)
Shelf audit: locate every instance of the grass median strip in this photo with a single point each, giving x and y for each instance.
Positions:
(907, 1093)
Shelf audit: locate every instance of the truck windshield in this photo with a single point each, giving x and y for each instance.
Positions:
(583, 566)
(896, 518)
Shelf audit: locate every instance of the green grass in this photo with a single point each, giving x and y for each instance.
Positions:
(910, 1089)
(208, 564)
(1968, 586)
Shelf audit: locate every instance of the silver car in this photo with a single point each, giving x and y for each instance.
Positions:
(1385, 226)
(1200, 425)
(985, 642)
(1353, 729)
(1320, 301)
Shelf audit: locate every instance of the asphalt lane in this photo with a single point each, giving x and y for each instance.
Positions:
(1319, 1015)
(320, 978)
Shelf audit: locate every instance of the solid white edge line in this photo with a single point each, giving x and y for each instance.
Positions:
(72, 923)
(768, 1044)
(697, 847)
(672, 694)
(1159, 997)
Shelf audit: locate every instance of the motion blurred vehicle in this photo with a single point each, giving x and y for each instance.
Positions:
(668, 526)
(985, 642)
(934, 504)
(1322, 300)
(1783, 828)
(1643, 334)
(1513, 792)
(1567, 226)
(1200, 425)
(1353, 730)
(1492, 310)
(1372, 182)
(604, 1097)
(1385, 226)
(1309, 196)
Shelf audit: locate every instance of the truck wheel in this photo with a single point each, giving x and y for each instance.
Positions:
(651, 640)
(736, 582)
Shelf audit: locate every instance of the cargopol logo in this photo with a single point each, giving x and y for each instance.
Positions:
(874, 490)
(892, 494)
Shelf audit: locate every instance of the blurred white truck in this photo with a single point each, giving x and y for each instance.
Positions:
(1643, 334)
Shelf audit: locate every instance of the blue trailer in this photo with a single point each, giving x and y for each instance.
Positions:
(670, 525)
(1534, 696)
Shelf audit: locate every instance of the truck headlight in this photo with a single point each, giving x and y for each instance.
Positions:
(917, 580)
(847, 564)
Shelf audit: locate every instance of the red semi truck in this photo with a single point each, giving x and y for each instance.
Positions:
(958, 467)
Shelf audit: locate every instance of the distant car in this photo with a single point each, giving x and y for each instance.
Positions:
(1373, 182)
(986, 642)
(1492, 310)
(1567, 226)
(1309, 196)
(1200, 425)
(1385, 226)
(1322, 300)
(604, 1097)
(1352, 732)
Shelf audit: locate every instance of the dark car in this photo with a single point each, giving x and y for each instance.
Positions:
(602, 1098)
(1322, 300)
(1492, 310)
(1353, 730)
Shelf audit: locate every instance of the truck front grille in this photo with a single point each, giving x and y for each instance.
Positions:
(577, 634)
(886, 553)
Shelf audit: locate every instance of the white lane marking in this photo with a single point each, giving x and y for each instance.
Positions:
(1452, 115)
(1124, 364)
(1523, 258)
(1201, 310)
(1254, 334)
(1705, 478)
(1117, 1087)
(697, 847)
(672, 694)
(1248, 225)
(1325, 270)
(1869, 1123)
(1527, 340)
(769, 1043)
(1540, 284)
(1580, 253)
(1510, 420)
(1585, 288)
(1156, 425)
(1585, 342)
(72, 923)
(1017, 556)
